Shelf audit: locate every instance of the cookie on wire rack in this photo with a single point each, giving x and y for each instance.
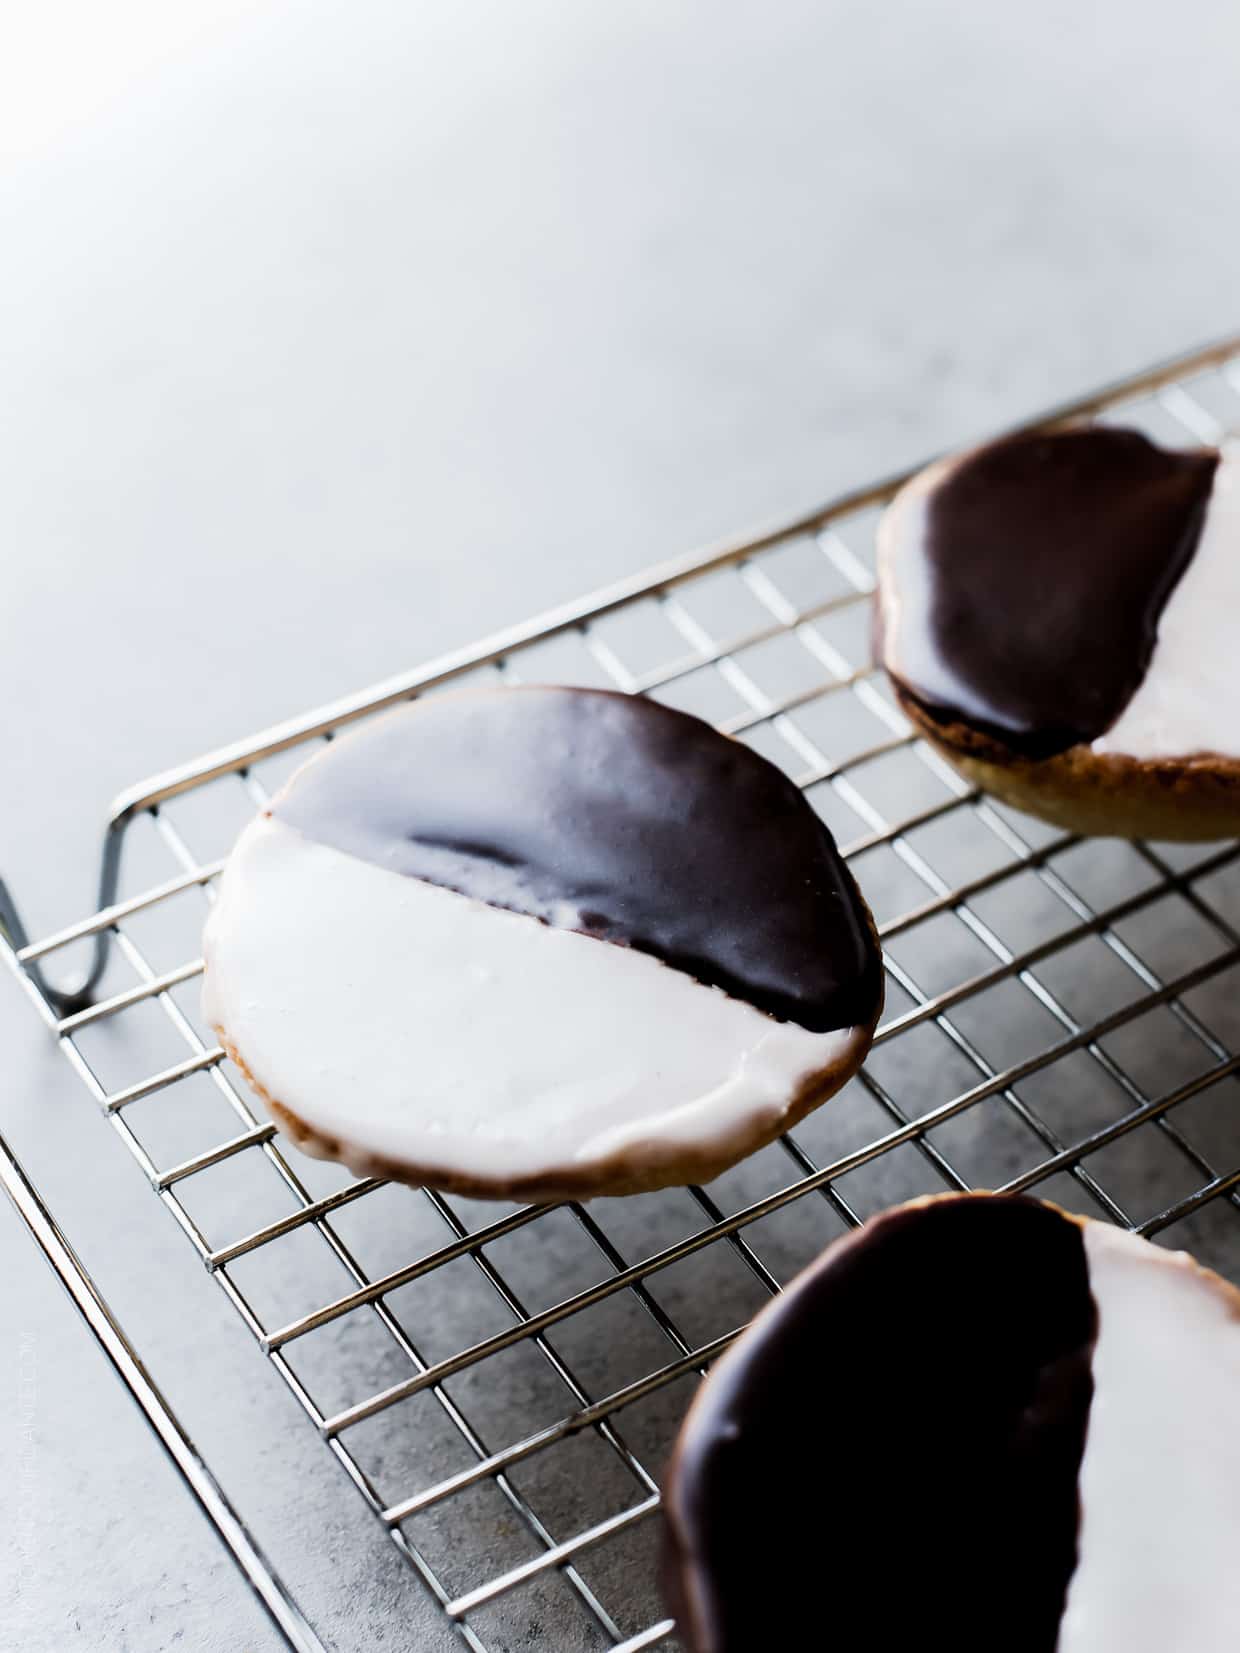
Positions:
(1057, 613)
(976, 1422)
(540, 943)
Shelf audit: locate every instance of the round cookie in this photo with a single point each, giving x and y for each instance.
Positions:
(540, 943)
(977, 1422)
(1056, 613)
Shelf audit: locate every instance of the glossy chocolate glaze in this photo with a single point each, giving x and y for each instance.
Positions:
(1021, 585)
(889, 1457)
(616, 817)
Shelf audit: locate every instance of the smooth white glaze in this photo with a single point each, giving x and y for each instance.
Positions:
(420, 1026)
(907, 596)
(1189, 699)
(1160, 1479)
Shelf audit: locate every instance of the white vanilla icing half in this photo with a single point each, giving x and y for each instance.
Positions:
(1189, 699)
(1159, 1550)
(419, 1026)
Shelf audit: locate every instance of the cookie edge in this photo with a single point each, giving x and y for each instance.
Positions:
(1195, 799)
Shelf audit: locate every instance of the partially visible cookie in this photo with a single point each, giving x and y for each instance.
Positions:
(540, 943)
(975, 1423)
(1057, 614)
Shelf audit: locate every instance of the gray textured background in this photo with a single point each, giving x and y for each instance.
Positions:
(332, 336)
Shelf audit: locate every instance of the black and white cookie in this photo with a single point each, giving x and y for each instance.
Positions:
(540, 943)
(1057, 612)
(976, 1423)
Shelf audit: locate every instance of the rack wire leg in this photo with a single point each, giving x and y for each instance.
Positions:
(66, 1000)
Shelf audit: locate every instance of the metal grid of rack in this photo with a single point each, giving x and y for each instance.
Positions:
(501, 1384)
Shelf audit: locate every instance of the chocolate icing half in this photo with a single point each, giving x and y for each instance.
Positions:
(889, 1457)
(1022, 584)
(613, 816)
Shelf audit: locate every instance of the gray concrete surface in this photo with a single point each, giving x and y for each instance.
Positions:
(333, 336)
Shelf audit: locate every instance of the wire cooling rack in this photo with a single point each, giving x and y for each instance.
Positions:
(501, 1384)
